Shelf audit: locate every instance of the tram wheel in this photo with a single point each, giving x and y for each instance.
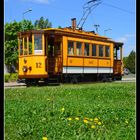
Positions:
(31, 82)
(74, 79)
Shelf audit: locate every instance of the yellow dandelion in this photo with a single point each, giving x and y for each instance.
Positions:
(85, 121)
(77, 118)
(93, 126)
(96, 120)
(63, 109)
(69, 119)
(99, 123)
(91, 120)
(44, 138)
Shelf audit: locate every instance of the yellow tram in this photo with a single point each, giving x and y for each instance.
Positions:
(69, 55)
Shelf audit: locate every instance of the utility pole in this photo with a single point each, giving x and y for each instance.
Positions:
(97, 26)
(29, 10)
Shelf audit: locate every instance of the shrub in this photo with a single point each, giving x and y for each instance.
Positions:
(11, 77)
(6, 77)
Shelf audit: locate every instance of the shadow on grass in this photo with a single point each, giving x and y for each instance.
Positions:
(44, 84)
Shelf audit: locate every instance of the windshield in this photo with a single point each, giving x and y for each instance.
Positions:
(27, 42)
(37, 43)
(118, 52)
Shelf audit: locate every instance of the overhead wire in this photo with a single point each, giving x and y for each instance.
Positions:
(116, 7)
(113, 6)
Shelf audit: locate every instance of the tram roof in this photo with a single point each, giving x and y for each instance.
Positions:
(71, 33)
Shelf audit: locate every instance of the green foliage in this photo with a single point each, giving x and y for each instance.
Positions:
(42, 23)
(68, 112)
(59, 27)
(125, 61)
(11, 29)
(6, 77)
(11, 52)
(129, 62)
(10, 44)
(10, 77)
(13, 77)
(26, 25)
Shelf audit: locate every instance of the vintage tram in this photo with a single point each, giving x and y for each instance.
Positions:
(68, 55)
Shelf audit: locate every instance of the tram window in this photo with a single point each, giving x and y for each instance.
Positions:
(25, 46)
(86, 50)
(51, 45)
(100, 50)
(38, 43)
(50, 50)
(107, 51)
(70, 47)
(21, 46)
(117, 54)
(93, 50)
(57, 47)
(30, 45)
(78, 48)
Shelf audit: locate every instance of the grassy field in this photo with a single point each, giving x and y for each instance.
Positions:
(101, 111)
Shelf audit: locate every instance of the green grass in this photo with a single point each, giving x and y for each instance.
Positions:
(36, 112)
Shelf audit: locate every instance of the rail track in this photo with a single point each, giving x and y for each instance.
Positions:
(14, 85)
(23, 85)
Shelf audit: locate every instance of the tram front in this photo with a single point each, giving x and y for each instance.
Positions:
(32, 57)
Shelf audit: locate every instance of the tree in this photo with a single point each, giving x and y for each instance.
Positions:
(26, 25)
(59, 27)
(125, 61)
(11, 42)
(42, 23)
(129, 62)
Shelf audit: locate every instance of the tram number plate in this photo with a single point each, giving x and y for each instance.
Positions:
(38, 65)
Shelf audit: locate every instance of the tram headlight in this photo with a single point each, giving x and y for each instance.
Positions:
(24, 69)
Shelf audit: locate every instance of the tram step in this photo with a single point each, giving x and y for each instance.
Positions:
(53, 80)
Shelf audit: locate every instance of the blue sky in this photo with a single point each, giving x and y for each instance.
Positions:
(118, 15)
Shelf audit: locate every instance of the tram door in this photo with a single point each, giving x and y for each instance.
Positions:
(54, 55)
(118, 63)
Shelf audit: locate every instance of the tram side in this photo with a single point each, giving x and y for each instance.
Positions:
(85, 59)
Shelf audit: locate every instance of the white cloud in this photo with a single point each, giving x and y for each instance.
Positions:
(122, 39)
(130, 35)
(39, 1)
(129, 41)
(42, 1)
(126, 37)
